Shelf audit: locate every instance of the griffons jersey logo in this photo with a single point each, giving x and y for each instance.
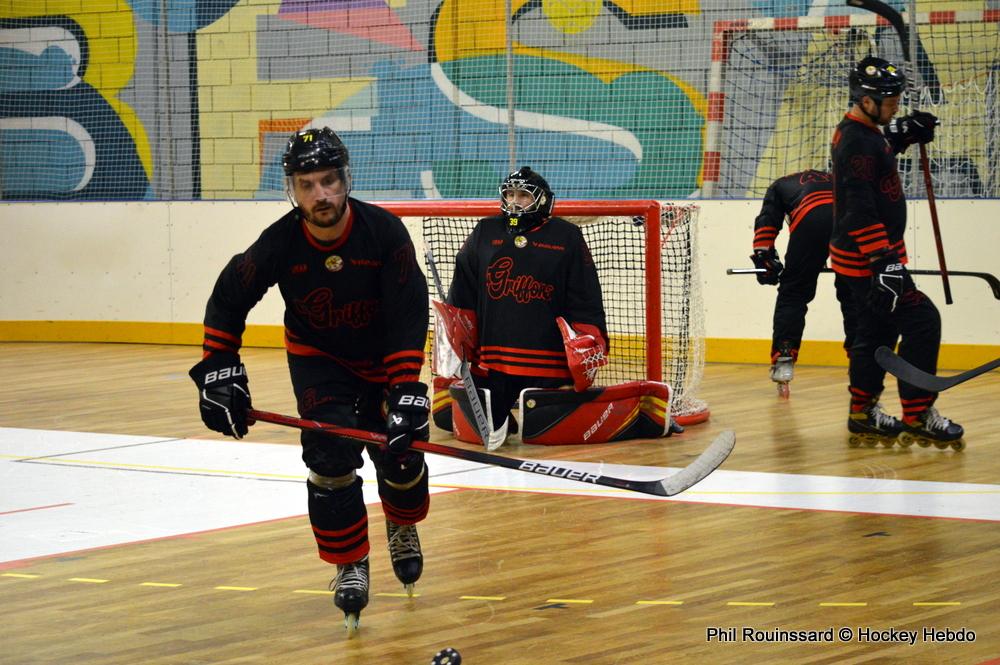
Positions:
(523, 288)
(320, 311)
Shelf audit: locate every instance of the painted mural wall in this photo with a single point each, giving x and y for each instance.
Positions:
(194, 99)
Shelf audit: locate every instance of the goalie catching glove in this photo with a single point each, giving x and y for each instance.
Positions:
(407, 411)
(223, 394)
(585, 354)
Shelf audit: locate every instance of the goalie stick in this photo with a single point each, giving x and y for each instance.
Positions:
(478, 413)
(907, 373)
(990, 279)
(707, 462)
(896, 20)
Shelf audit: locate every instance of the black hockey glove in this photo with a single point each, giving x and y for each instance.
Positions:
(407, 410)
(890, 280)
(767, 259)
(223, 393)
(917, 127)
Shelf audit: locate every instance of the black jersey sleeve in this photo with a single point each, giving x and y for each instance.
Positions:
(858, 162)
(404, 306)
(464, 290)
(584, 298)
(769, 220)
(240, 286)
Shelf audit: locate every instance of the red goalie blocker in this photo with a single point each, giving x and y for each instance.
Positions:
(633, 410)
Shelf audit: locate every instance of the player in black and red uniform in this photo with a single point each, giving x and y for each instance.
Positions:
(867, 248)
(355, 328)
(514, 275)
(806, 200)
(527, 293)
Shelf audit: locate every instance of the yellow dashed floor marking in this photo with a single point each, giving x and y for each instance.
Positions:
(843, 604)
(168, 585)
(566, 601)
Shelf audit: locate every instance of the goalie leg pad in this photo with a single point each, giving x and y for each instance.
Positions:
(633, 410)
(442, 402)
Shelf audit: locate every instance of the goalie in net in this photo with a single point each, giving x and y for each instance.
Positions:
(525, 309)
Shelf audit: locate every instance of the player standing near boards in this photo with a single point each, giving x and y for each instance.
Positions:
(806, 200)
(867, 249)
(355, 327)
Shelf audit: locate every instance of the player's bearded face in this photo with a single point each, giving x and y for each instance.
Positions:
(322, 196)
(885, 111)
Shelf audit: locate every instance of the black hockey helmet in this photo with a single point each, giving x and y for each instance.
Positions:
(876, 78)
(523, 217)
(311, 150)
(314, 149)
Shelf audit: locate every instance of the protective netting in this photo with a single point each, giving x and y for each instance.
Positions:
(784, 88)
(183, 100)
(618, 245)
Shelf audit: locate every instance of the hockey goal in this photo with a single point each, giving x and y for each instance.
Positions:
(778, 87)
(646, 257)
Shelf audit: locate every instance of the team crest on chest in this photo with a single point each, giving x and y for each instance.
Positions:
(520, 242)
(334, 263)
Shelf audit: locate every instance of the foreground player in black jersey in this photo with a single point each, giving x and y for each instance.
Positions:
(806, 200)
(355, 328)
(526, 287)
(867, 249)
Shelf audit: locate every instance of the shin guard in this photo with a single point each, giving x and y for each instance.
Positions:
(338, 516)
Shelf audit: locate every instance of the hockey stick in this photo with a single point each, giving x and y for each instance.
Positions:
(478, 413)
(907, 373)
(991, 280)
(896, 20)
(707, 462)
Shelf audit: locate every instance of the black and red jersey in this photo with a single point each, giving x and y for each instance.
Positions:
(802, 197)
(360, 300)
(518, 284)
(869, 206)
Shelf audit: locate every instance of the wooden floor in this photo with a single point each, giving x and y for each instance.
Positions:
(523, 578)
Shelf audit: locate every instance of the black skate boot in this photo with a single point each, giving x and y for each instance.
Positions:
(782, 369)
(931, 428)
(404, 550)
(350, 588)
(873, 426)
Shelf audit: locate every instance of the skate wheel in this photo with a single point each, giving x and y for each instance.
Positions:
(783, 390)
(888, 443)
(871, 443)
(409, 590)
(942, 445)
(352, 623)
(853, 442)
(958, 445)
(905, 441)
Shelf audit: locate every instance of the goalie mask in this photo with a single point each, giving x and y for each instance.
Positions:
(876, 78)
(525, 199)
(314, 150)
